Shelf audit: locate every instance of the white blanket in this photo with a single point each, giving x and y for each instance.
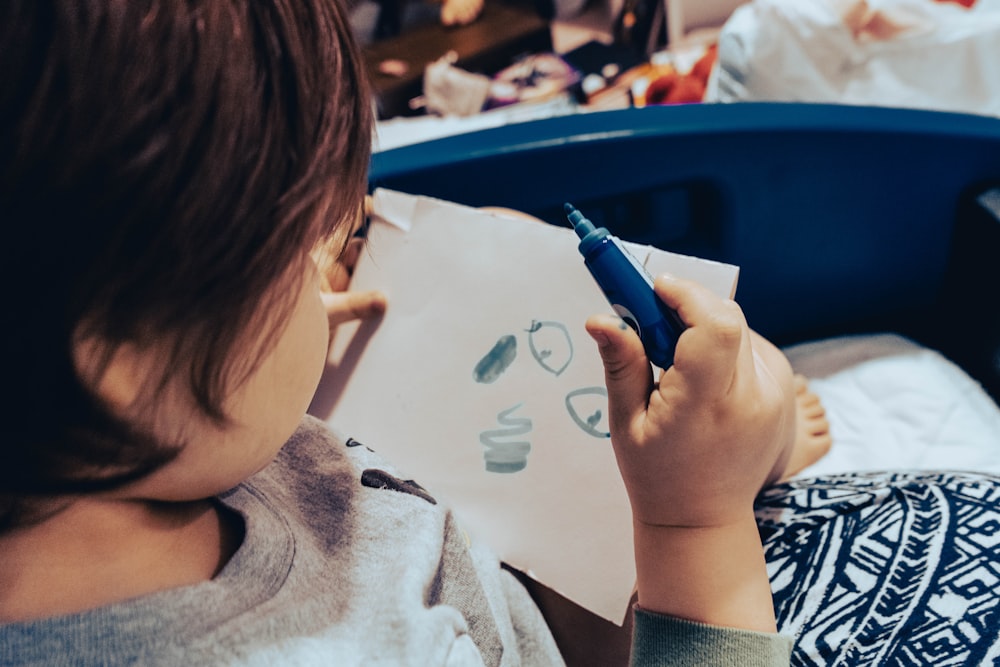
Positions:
(894, 405)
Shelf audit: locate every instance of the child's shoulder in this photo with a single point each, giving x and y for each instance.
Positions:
(321, 463)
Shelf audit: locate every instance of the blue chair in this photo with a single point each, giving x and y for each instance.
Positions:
(842, 219)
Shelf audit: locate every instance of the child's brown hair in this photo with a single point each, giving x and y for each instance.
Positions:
(164, 165)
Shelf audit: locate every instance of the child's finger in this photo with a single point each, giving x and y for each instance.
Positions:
(335, 274)
(346, 306)
(352, 251)
(627, 373)
(716, 342)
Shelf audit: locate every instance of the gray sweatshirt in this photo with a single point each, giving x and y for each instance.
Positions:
(344, 563)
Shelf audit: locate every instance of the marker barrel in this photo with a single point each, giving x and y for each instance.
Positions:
(629, 288)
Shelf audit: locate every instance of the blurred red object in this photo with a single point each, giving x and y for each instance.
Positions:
(704, 66)
(673, 88)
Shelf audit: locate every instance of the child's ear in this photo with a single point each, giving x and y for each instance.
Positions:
(116, 375)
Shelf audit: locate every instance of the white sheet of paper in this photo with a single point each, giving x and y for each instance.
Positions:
(481, 383)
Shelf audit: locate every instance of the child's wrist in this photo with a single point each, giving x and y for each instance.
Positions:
(703, 514)
(710, 574)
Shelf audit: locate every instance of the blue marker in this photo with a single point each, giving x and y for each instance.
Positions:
(629, 289)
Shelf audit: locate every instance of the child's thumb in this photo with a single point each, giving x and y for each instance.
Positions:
(627, 373)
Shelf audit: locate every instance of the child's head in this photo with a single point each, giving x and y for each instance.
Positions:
(165, 167)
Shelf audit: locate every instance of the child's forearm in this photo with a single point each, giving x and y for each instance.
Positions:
(713, 575)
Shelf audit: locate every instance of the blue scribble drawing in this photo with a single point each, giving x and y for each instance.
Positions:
(496, 361)
(550, 345)
(502, 454)
(594, 408)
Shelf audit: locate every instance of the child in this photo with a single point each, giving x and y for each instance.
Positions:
(168, 167)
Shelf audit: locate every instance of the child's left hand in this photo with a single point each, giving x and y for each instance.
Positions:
(341, 304)
(346, 306)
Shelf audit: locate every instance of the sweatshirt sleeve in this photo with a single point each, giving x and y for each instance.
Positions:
(664, 641)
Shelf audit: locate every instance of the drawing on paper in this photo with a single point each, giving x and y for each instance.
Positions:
(496, 361)
(550, 345)
(588, 407)
(504, 453)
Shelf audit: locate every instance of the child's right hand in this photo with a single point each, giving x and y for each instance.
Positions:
(694, 450)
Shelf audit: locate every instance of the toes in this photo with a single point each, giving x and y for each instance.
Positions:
(813, 440)
(821, 445)
(813, 411)
(818, 425)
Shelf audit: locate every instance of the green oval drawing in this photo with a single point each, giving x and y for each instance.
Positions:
(596, 415)
(550, 345)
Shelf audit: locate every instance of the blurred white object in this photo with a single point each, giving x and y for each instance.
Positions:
(451, 91)
(405, 131)
(898, 53)
(687, 16)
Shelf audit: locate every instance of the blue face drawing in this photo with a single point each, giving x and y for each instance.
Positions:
(551, 347)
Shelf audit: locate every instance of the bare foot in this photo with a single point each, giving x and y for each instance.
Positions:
(812, 430)
(812, 438)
